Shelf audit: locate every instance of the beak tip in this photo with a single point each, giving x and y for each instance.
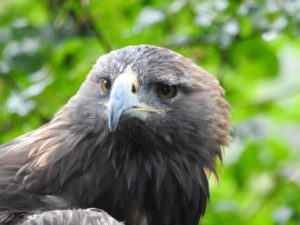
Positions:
(111, 124)
(111, 129)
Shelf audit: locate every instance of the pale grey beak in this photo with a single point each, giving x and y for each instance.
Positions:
(122, 97)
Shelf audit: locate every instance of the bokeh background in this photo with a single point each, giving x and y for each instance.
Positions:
(48, 46)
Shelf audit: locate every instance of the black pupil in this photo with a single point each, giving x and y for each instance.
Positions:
(107, 83)
(133, 89)
(165, 90)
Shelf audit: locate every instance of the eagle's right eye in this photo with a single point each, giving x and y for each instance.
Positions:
(105, 84)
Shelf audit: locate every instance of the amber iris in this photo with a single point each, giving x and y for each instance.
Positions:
(105, 85)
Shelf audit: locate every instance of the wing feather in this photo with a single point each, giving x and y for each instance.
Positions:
(71, 217)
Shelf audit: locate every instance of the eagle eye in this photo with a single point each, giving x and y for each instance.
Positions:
(105, 84)
(165, 91)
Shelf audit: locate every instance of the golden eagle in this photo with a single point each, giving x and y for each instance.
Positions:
(137, 141)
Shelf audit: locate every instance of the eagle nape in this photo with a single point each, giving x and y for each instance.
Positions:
(137, 141)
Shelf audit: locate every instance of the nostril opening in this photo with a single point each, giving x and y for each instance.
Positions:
(133, 89)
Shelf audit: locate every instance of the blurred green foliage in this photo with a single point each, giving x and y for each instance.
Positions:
(47, 47)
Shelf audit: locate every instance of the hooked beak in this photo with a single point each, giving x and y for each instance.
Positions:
(123, 97)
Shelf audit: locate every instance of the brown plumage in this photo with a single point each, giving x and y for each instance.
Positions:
(137, 141)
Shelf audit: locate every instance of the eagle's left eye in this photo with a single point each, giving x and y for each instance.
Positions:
(105, 85)
(165, 91)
